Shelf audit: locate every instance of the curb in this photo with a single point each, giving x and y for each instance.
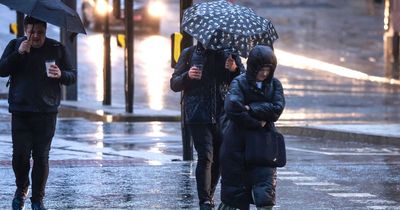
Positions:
(306, 131)
(105, 116)
(338, 135)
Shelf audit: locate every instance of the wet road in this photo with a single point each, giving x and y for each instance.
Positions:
(330, 35)
(99, 165)
(136, 166)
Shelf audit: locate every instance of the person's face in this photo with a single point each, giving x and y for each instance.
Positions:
(263, 74)
(36, 35)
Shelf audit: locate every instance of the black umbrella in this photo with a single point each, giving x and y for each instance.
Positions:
(51, 11)
(221, 24)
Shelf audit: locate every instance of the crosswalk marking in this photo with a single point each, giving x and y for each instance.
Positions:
(316, 184)
(297, 178)
(384, 207)
(356, 195)
(373, 201)
(333, 188)
(337, 190)
(383, 153)
(288, 173)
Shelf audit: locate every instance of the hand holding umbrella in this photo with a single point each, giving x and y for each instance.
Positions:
(230, 64)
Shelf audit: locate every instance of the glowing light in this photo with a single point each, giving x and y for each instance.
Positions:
(156, 68)
(156, 9)
(154, 163)
(94, 52)
(298, 61)
(99, 146)
(156, 129)
(102, 7)
(155, 150)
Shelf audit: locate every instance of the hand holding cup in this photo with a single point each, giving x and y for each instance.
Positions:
(195, 72)
(52, 69)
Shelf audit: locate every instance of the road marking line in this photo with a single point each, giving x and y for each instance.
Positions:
(384, 207)
(316, 184)
(349, 195)
(298, 178)
(374, 201)
(344, 153)
(289, 173)
(333, 188)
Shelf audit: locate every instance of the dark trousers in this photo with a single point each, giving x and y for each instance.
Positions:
(32, 133)
(207, 142)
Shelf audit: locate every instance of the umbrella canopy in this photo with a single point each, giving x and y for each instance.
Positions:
(51, 11)
(221, 24)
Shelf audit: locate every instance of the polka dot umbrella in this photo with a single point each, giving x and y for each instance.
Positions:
(223, 25)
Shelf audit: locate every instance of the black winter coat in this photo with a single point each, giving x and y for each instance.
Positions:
(30, 88)
(267, 104)
(203, 99)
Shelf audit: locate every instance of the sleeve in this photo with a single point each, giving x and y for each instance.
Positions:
(235, 109)
(9, 59)
(68, 72)
(270, 111)
(240, 67)
(180, 77)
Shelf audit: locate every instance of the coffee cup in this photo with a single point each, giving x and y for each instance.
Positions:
(48, 64)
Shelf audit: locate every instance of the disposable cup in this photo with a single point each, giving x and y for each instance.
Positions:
(48, 64)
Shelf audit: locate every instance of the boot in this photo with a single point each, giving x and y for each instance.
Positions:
(18, 202)
(38, 205)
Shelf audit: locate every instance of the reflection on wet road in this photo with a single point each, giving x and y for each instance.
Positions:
(138, 142)
(313, 97)
(135, 165)
(99, 165)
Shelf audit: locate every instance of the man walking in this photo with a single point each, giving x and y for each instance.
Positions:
(204, 76)
(37, 66)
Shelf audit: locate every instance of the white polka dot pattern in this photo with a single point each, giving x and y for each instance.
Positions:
(221, 24)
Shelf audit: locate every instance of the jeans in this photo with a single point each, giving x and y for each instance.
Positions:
(207, 142)
(32, 133)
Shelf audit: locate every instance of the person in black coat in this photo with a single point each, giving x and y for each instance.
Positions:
(255, 100)
(34, 97)
(204, 77)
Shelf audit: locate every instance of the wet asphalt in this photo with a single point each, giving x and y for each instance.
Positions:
(137, 165)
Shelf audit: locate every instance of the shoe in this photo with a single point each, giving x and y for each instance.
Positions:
(18, 202)
(38, 205)
(206, 206)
